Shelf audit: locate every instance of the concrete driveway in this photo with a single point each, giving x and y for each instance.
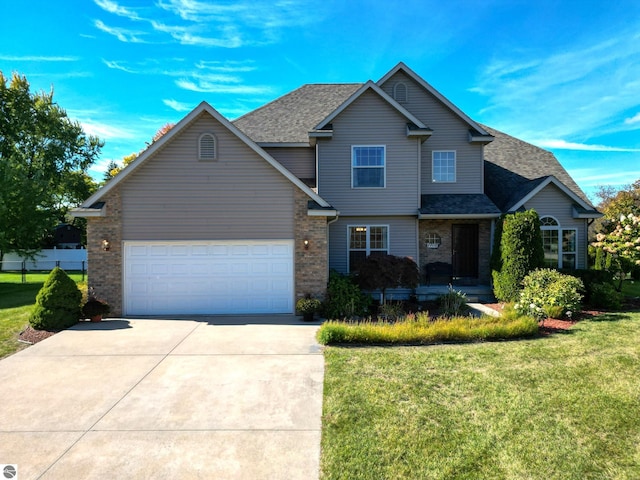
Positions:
(223, 398)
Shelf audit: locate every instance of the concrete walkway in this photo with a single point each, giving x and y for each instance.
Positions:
(223, 398)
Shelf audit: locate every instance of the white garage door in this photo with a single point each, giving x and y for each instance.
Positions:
(208, 277)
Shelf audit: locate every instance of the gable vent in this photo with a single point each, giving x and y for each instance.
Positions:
(400, 92)
(207, 147)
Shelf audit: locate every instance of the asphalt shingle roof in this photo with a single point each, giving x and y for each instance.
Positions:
(457, 204)
(289, 118)
(513, 168)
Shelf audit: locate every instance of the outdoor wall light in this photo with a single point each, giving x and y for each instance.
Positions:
(306, 244)
(106, 245)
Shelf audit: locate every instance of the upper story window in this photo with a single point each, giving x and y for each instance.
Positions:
(207, 147)
(444, 166)
(368, 166)
(400, 92)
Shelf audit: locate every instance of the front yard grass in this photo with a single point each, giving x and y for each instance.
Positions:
(563, 406)
(16, 302)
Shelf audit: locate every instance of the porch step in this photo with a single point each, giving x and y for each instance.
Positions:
(474, 293)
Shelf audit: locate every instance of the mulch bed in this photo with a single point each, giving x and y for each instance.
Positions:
(31, 336)
(554, 325)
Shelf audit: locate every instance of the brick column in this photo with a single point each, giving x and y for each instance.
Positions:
(312, 264)
(105, 267)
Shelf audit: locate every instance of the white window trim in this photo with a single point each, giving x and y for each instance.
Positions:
(560, 230)
(455, 166)
(215, 147)
(368, 246)
(384, 167)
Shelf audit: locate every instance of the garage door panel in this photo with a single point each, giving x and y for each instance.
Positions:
(209, 277)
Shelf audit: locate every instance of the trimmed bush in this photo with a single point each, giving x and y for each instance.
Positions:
(520, 252)
(605, 295)
(589, 279)
(549, 293)
(57, 303)
(344, 298)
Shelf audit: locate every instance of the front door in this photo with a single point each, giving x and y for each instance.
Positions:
(465, 250)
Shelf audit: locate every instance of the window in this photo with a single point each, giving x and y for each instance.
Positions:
(207, 147)
(368, 166)
(365, 240)
(559, 244)
(444, 166)
(400, 92)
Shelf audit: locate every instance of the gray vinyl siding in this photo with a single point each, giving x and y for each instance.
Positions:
(551, 201)
(173, 196)
(402, 238)
(369, 121)
(298, 160)
(450, 132)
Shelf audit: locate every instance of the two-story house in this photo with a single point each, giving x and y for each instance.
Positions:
(247, 216)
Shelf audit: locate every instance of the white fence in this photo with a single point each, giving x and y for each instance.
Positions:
(66, 259)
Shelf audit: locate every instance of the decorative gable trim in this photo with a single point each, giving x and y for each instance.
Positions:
(401, 66)
(369, 86)
(550, 180)
(178, 128)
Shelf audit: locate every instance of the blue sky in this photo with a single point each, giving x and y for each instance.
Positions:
(564, 75)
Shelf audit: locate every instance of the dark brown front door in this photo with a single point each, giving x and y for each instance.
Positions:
(465, 250)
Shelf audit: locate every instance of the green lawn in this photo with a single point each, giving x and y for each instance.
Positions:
(16, 302)
(631, 288)
(559, 407)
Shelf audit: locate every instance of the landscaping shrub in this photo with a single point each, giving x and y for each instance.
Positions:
(604, 295)
(344, 298)
(387, 271)
(57, 303)
(549, 293)
(590, 278)
(520, 252)
(453, 303)
(420, 329)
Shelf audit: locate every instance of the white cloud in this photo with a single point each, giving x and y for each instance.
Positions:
(227, 67)
(212, 87)
(564, 145)
(176, 105)
(104, 131)
(37, 58)
(117, 66)
(113, 7)
(632, 120)
(565, 94)
(122, 34)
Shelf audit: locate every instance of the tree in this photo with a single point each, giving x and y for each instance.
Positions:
(387, 271)
(618, 233)
(521, 251)
(44, 157)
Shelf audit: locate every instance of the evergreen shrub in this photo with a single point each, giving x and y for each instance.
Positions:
(57, 303)
(344, 298)
(520, 252)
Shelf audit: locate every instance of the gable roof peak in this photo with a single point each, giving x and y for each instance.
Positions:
(370, 85)
(429, 88)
